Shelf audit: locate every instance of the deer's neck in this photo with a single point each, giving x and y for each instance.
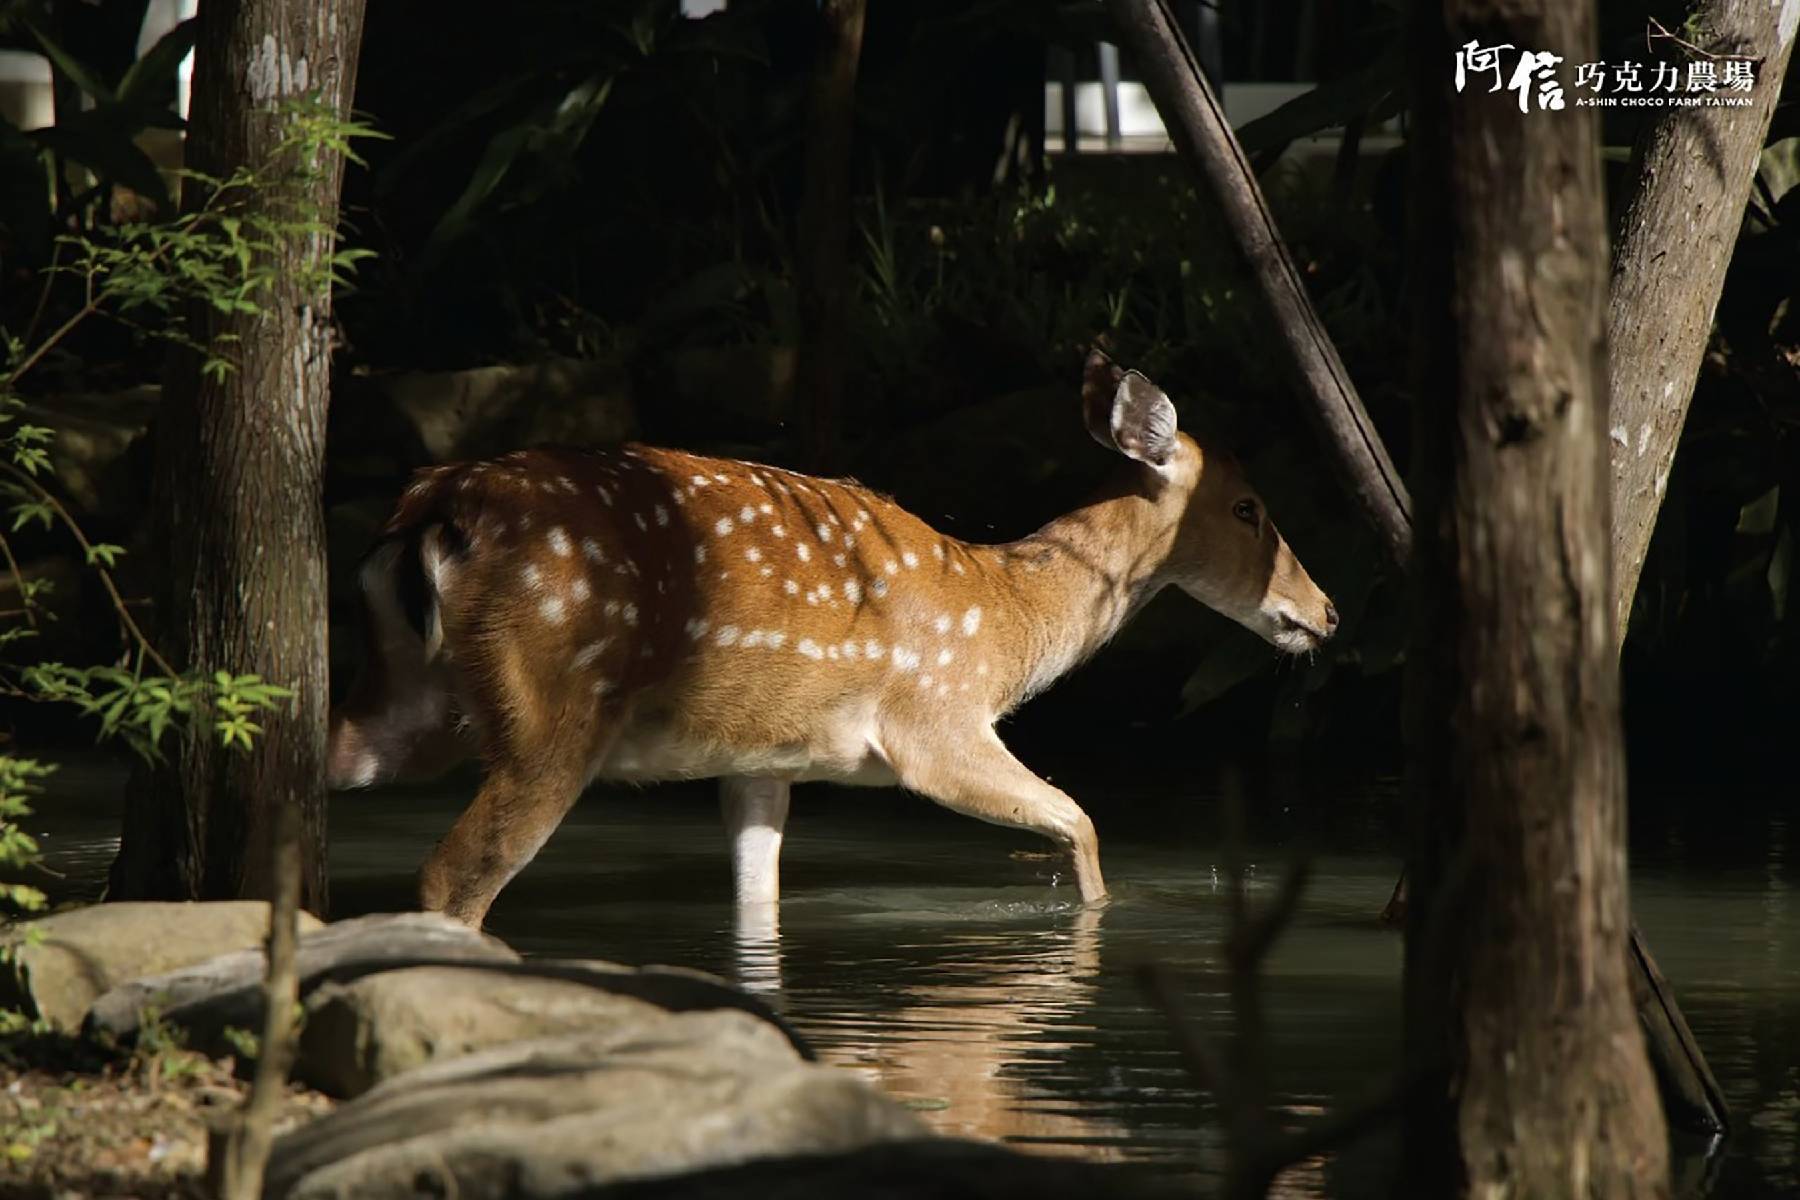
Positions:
(1074, 582)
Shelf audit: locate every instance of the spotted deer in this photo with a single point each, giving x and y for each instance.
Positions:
(645, 614)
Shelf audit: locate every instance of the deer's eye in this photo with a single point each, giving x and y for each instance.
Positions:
(1245, 511)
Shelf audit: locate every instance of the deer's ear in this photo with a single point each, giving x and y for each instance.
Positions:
(1126, 412)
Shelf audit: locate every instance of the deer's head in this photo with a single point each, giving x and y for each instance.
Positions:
(1221, 547)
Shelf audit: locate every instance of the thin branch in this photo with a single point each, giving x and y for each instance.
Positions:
(18, 577)
(112, 590)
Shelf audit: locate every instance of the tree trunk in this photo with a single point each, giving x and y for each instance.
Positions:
(237, 484)
(1695, 167)
(1518, 1007)
(823, 243)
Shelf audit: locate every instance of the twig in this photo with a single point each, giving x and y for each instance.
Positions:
(18, 576)
(1659, 32)
(112, 590)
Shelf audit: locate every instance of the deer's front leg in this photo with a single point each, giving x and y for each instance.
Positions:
(755, 811)
(977, 776)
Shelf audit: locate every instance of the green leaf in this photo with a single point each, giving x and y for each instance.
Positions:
(158, 65)
(98, 140)
(78, 72)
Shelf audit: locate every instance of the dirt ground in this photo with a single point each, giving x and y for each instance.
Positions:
(79, 1122)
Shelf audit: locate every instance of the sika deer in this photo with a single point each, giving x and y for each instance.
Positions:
(645, 614)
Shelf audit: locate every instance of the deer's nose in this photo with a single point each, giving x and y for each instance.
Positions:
(1331, 617)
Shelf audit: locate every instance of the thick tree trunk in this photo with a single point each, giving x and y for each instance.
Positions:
(1695, 167)
(1518, 1006)
(237, 485)
(824, 234)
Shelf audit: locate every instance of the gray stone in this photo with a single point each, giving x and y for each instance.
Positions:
(77, 956)
(926, 1169)
(550, 1116)
(466, 414)
(210, 997)
(364, 1031)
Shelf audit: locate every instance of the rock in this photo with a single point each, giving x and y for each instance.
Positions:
(205, 999)
(928, 1169)
(546, 1117)
(466, 414)
(362, 1032)
(79, 955)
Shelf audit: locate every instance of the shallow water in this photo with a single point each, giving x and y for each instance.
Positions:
(949, 962)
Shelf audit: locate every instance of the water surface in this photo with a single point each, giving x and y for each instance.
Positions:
(950, 963)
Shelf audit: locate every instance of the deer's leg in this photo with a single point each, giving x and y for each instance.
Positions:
(980, 778)
(755, 811)
(510, 819)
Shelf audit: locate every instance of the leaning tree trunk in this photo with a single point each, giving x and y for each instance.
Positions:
(1519, 1015)
(237, 481)
(1694, 167)
(822, 247)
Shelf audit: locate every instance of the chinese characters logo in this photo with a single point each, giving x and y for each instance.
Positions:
(1713, 81)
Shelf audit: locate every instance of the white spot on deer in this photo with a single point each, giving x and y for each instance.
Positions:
(753, 555)
(755, 479)
(779, 531)
(872, 648)
(852, 651)
(790, 587)
(925, 682)
(579, 589)
(700, 481)
(910, 559)
(891, 567)
(831, 652)
(610, 608)
(810, 648)
(942, 623)
(765, 571)
(824, 532)
(766, 509)
(906, 660)
(852, 591)
(696, 627)
(722, 526)
(552, 609)
(533, 577)
(776, 639)
(590, 550)
(588, 654)
(605, 496)
(642, 524)
(631, 614)
(943, 689)
(849, 541)
(746, 514)
(839, 559)
(727, 635)
(752, 639)
(721, 478)
(824, 590)
(971, 621)
(566, 484)
(937, 551)
(944, 657)
(981, 668)
(602, 686)
(524, 521)
(662, 515)
(803, 551)
(957, 567)
(878, 588)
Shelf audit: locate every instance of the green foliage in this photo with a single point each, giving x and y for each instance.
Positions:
(238, 236)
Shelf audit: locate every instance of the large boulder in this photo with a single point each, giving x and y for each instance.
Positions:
(927, 1169)
(74, 957)
(448, 415)
(364, 1031)
(206, 999)
(548, 1117)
